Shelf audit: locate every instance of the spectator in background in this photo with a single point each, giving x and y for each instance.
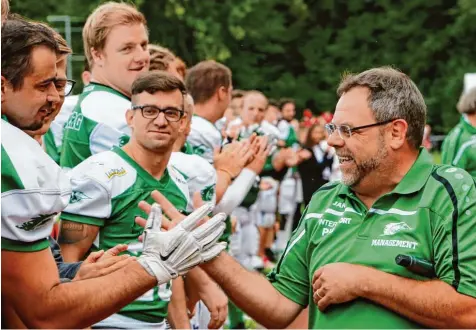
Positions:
(163, 59)
(319, 165)
(459, 147)
(426, 138)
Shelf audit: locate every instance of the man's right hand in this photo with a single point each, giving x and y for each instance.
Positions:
(233, 158)
(168, 254)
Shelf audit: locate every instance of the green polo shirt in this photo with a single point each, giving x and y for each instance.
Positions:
(459, 147)
(430, 214)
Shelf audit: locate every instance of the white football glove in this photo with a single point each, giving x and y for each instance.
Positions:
(168, 254)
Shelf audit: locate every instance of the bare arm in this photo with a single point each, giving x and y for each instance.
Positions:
(75, 239)
(177, 310)
(223, 182)
(252, 293)
(34, 281)
(435, 303)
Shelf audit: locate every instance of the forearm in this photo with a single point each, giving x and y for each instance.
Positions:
(196, 281)
(434, 303)
(177, 310)
(236, 192)
(223, 182)
(251, 292)
(48, 304)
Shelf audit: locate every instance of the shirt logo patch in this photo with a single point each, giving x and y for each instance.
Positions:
(395, 227)
(207, 193)
(78, 196)
(115, 172)
(123, 140)
(36, 222)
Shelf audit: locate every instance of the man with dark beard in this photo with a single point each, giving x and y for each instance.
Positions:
(392, 200)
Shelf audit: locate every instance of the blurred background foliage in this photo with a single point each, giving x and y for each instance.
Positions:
(300, 48)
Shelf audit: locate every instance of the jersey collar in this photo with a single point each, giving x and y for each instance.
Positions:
(413, 181)
(94, 86)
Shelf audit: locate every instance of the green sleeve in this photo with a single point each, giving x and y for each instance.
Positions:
(50, 146)
(291, 275)
(82, 219)
(18, 246)
(455, 232)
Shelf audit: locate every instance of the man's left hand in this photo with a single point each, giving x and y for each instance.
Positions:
(338, 283)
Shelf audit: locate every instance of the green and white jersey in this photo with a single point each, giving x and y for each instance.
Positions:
(97, 124)
(107, 188)
(199, 174)
(430, 214)
(204, 138)
(34, 190)
(287, 133)
(53, 139)
(459, 147)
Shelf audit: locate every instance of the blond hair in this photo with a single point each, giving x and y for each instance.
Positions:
(63, 47)
(160, 57)
(102, 20)
(467, 102)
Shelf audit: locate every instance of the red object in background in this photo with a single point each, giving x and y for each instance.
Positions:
(327, 116)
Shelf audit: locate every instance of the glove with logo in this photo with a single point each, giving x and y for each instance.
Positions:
(168, 254)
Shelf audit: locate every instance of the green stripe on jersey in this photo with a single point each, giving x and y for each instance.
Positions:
(10, 178)
(17, 246)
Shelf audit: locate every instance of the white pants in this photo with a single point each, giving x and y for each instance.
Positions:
(244, 243)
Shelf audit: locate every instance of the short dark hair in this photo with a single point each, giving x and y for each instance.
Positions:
(157, 81)
(203, 80)
(19, 38)
(284, 101)
(237, 93)
(392, 95)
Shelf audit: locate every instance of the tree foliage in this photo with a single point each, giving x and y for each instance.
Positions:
(300, 48)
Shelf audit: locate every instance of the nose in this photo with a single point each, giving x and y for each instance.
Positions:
(160, 120)
(141, 56)
(53, 94)
(334, 140)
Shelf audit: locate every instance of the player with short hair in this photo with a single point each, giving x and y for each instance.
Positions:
(115, 40)
(459, 147)
(107, 188)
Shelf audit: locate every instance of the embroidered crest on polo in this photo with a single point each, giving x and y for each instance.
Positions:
(395, 227)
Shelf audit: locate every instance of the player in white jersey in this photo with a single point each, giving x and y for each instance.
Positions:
(115, 41)
(107, 188)
(54, 140)
(34, 189)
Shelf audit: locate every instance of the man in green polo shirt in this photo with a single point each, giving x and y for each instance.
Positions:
(340, 261)
(459, 147)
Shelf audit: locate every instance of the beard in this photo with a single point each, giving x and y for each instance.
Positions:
(364, 168)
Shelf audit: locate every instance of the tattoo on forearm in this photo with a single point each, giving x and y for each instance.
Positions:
(71, 232)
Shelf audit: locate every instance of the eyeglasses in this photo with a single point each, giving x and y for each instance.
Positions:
(64, 86)
(152, 112)
(345, 131)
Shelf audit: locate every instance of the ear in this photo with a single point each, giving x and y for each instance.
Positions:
(129, 117)
(5, 87)
(183, 124)
(398, 133)
(222, 93)
(98, 57)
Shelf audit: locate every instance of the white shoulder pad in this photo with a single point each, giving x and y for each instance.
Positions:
(198, 173)
(204, 138)
(34, 188)
(96, 181)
